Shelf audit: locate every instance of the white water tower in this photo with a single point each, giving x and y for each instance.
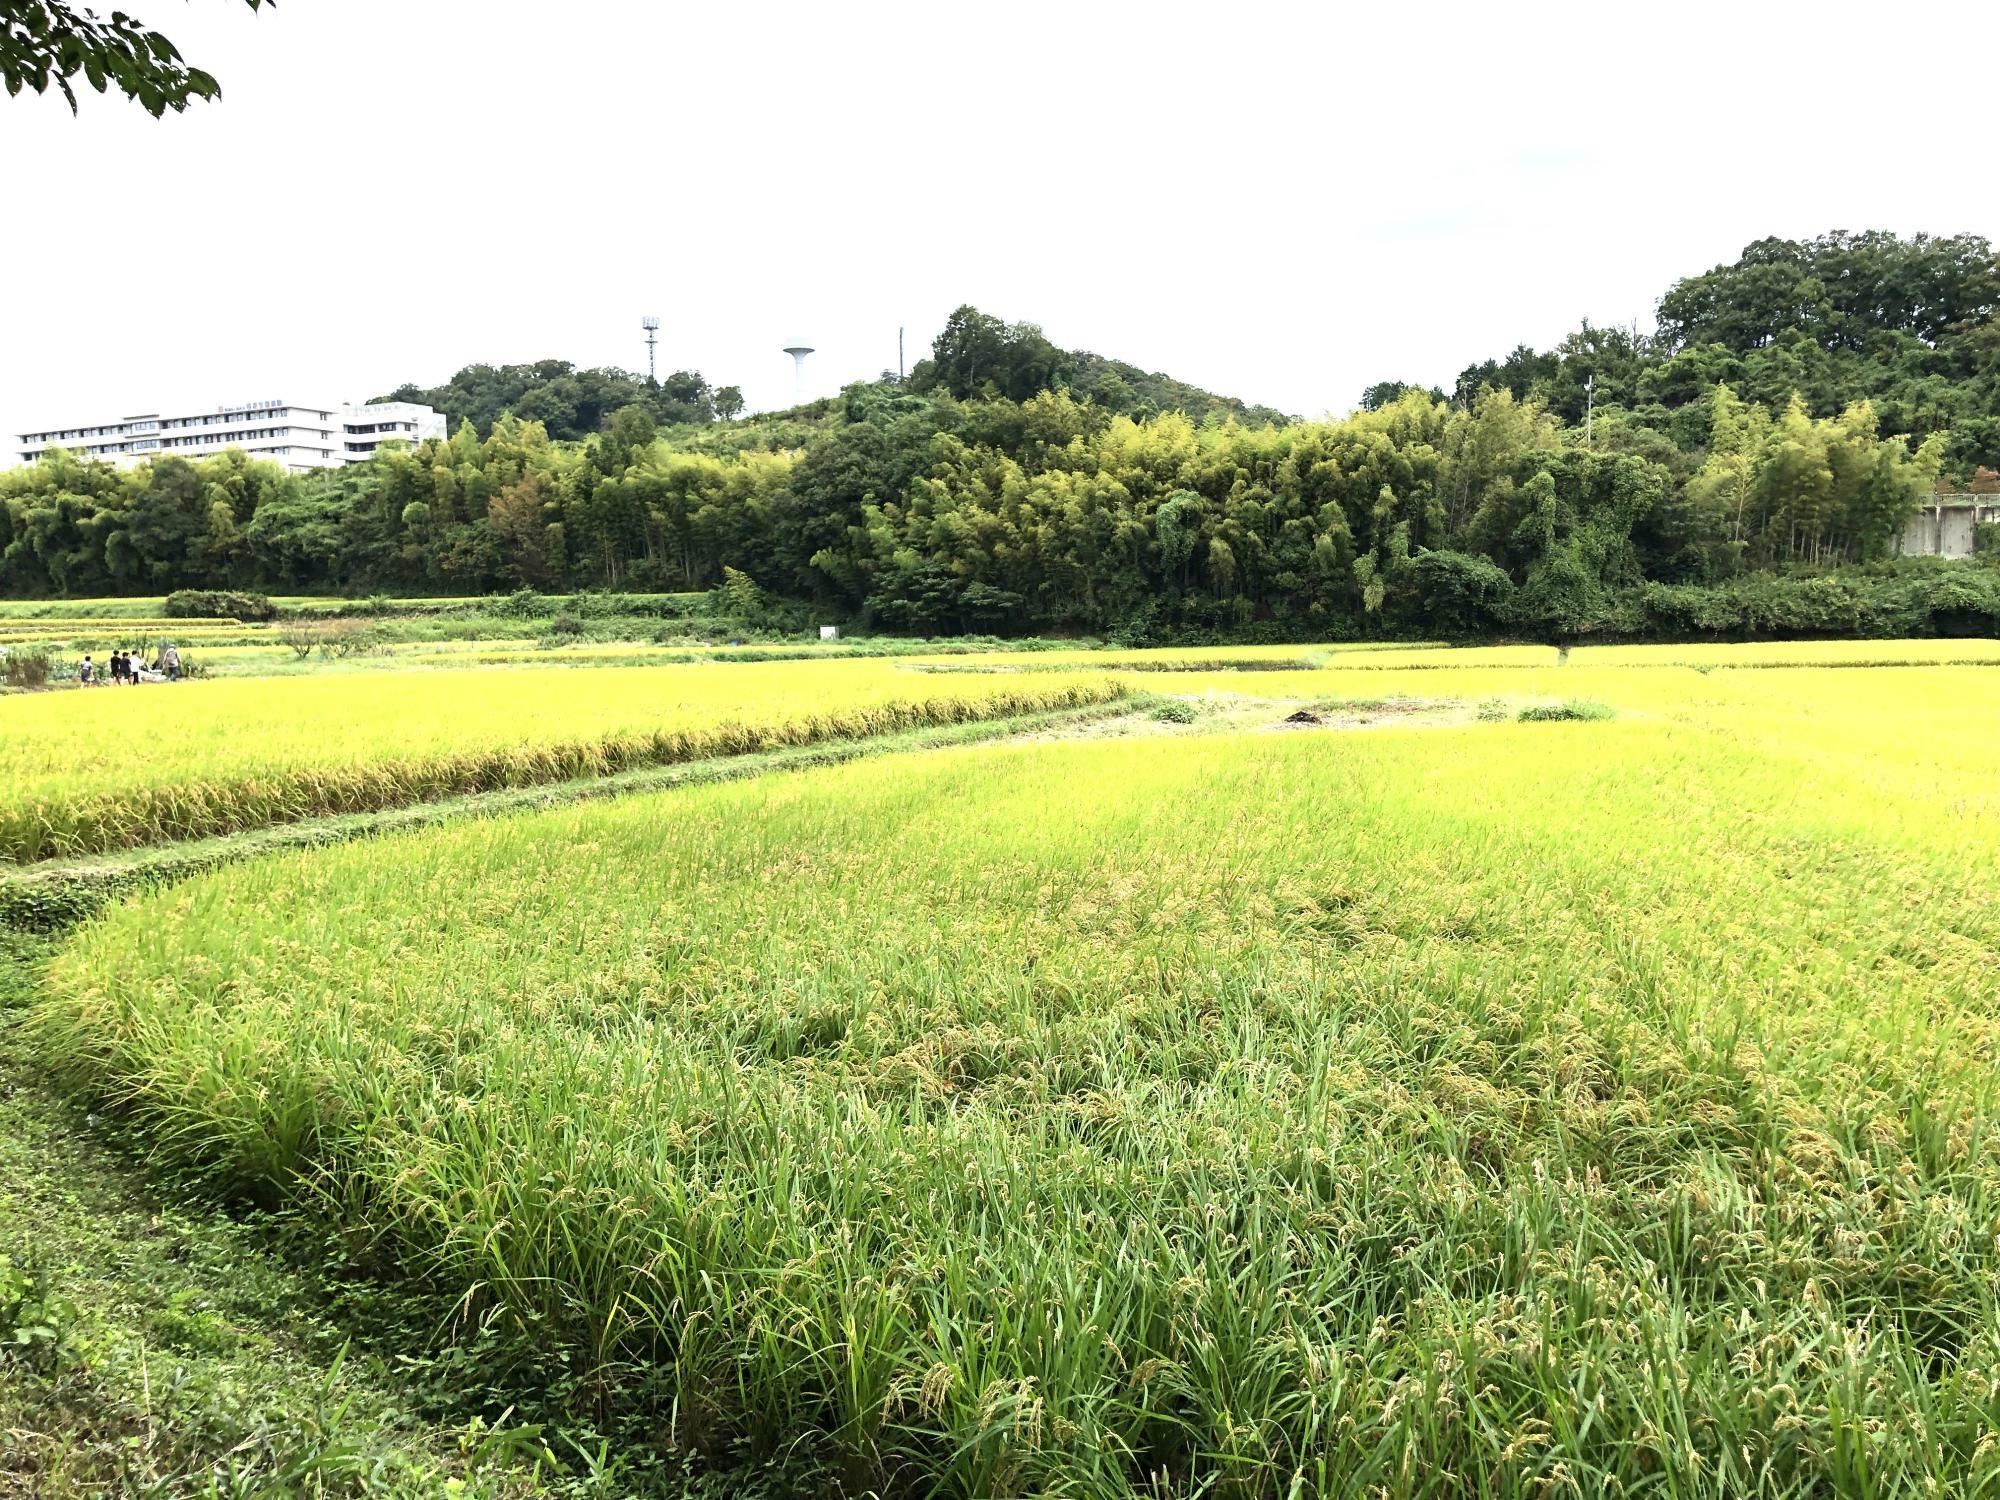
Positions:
(798, 349)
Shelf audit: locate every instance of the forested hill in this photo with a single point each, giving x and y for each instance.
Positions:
(1011, 486)
(975, 355)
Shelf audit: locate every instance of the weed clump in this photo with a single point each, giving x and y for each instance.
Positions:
(36, 1320)
(27, 666)
(1570, 711)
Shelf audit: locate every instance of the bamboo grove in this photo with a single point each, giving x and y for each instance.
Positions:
(924, 513)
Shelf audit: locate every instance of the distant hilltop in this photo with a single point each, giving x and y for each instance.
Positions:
(976, 355)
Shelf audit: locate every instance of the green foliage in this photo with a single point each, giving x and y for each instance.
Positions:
(567, 403)
(35, 1319)
(46, 43)
(1561, 600)
(1122, 389)
(739, 594)
(1454, 594)
(219, 604)
(978, 355)
(1904, 325)
(1921, 597)
(1389, 392)
(1785, 488)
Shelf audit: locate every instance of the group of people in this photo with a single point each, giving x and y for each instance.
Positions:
(130, 667)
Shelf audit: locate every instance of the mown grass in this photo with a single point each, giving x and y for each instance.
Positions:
(105, 769)
(1511, 1109)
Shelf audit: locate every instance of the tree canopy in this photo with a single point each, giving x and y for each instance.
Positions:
(1907, 325)
(981, 355)
(569, 403)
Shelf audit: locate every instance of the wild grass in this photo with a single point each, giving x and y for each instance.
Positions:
(110, 768)
(1498, 1109)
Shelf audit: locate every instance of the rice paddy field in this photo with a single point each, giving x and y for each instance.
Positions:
(85, 771)
(1458, 1105)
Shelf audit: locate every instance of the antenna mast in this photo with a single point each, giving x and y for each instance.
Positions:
(652, 326)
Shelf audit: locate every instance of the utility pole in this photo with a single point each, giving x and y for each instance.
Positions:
(1589, 404)
(899, 355)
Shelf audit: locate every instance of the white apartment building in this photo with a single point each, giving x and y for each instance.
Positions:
(300, 436)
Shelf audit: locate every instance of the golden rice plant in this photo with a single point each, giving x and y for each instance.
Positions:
(106, 769)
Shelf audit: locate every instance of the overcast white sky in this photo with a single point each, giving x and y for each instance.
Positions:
(1282, 202)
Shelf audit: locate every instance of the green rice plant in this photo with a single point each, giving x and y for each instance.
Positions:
(1443, 1110)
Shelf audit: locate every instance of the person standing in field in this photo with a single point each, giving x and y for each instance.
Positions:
(171, 660)
(83, 672)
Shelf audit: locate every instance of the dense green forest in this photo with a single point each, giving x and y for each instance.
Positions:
(1746, 470)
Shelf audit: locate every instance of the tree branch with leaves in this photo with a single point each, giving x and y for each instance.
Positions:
(48, 43)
